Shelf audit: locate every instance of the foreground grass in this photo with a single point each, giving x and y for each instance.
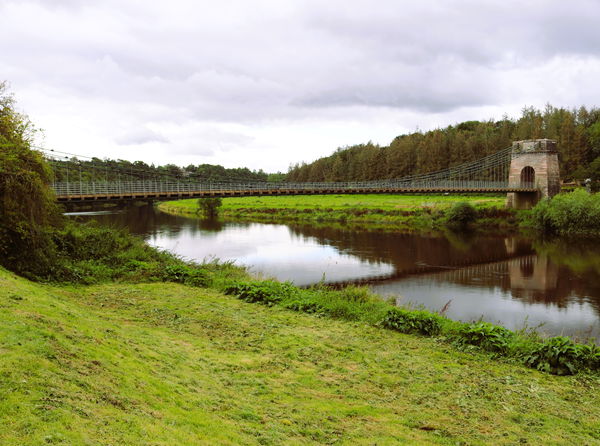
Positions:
(403, 212)
(166, 364)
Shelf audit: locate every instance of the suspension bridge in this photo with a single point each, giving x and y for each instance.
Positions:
(90, 181)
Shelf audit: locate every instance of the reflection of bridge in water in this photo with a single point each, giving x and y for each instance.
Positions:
(497, 273)
(410, 254)
(508, 264)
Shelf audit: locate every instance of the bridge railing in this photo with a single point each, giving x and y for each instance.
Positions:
(150, 187)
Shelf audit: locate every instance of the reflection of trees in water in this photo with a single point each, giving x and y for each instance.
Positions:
(580, 256)
(147, 221)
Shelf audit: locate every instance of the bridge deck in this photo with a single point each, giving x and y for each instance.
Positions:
(178, 195)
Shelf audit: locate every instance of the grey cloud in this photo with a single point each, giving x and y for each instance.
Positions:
(255, 63)
(140, 136)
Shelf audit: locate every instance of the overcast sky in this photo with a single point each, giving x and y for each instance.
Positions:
(264, 84)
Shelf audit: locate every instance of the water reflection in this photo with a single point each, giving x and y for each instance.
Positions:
(506, 280)
(529, 291)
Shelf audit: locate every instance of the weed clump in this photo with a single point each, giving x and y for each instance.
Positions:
(487, 336)
(406, 321)
(561, 356)
(267, 292)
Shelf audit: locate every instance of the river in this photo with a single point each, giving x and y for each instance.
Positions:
(512, 281)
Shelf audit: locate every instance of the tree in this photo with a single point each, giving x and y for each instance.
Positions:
(27, 205)
(209, 207)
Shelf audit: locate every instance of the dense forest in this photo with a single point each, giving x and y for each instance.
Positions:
(576, 131)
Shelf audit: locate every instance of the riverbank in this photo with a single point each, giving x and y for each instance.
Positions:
(172, 364)
(396, 212)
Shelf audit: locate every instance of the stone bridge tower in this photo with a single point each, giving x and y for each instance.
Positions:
(534, 164)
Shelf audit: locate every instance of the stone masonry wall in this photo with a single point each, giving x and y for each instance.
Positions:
(542, 157)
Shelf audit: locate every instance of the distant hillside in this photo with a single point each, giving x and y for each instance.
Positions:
(577, 133)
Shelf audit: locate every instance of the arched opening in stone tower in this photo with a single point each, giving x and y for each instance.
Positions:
(528, 177)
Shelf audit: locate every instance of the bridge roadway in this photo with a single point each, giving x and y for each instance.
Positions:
(149, 190)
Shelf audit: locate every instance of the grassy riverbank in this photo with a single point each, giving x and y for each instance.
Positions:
(400, 212)
(170, 364)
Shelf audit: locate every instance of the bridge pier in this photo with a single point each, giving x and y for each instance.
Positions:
(534, 164)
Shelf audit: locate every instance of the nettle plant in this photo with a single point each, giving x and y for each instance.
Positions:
(406, 321)
(561, 356)
(267, 292)
(487, 336)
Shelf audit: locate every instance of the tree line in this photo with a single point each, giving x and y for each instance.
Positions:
(577, 132)
(99, 170)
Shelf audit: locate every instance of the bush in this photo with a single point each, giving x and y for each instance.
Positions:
(559, 356)
(182, 273)
(487, 336)
(209, 207)
(412, 321)
(575, 213)
(27, 206)
(88, 253)
(305, 306)
(353, 293)
(267, 292)
(590, 355)
(461, 215)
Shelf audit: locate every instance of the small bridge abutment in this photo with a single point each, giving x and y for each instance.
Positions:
(533, 165)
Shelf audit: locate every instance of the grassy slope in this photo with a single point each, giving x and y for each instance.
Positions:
(404, 212)
(164, 364)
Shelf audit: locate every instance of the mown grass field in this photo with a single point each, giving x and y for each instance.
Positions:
(167, 364)
(399, 212)
(337, 202)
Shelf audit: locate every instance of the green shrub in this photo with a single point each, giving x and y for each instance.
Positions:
(28, 212)
(461, 215)
(485, 335)
(305, 306)
(572, 213)
(558, 355)
(353, 293)
(175, 273)
(209, 207)
(197, 277)
(406, 321)
(266, 292)
(182, 273)
(590, 355)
